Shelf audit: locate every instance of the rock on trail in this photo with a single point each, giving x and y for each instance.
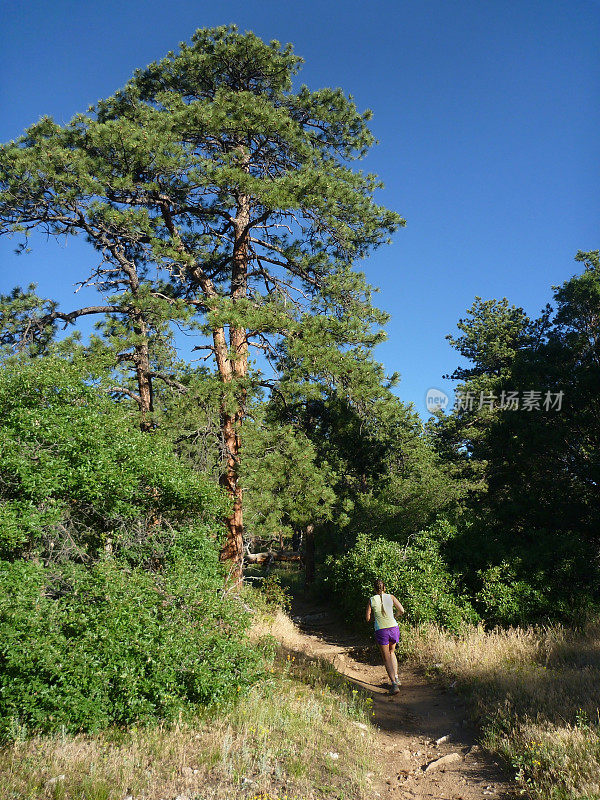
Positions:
(425, 749)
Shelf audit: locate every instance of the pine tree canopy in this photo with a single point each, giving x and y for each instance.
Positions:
(210, 166)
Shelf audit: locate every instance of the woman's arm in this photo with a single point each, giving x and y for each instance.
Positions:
(368, 612)
(397, 604)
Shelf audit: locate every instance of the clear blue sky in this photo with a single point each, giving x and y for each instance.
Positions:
(487, 115)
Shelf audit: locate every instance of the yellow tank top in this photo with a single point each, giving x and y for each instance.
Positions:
(380, 620)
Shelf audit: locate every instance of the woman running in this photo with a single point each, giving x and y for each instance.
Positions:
(387, 633)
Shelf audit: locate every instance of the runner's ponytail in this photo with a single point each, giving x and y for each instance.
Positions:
(379, 589)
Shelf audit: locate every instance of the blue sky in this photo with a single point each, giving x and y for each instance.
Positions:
(486, 113)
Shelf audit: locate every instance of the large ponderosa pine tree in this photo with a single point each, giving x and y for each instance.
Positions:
(211, 167)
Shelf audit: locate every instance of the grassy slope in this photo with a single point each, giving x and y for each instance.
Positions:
(536, 692)
(274, 743)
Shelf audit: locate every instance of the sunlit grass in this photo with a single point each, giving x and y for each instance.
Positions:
(274, 743)
(537, 693)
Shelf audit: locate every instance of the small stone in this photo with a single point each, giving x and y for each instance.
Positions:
(443, 739)
(439, 763)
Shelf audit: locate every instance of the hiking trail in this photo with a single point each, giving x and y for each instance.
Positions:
(425, 745)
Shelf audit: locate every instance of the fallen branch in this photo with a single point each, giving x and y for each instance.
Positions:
(262, 558)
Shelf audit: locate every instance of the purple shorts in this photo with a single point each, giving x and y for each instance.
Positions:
(388, 635)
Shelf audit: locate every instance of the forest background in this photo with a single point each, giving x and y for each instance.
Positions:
(216, 201)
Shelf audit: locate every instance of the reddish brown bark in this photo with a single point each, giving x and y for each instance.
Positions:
(233, 549)
(236, 370)
(309, 554)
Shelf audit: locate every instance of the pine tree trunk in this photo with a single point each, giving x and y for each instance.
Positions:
(309, 554)
(233, 551)
(141, 359)
(141, 350)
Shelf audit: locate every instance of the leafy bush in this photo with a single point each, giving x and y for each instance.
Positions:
(416, 573)
(529, 588)
(82, 648)
(114, 613)
(274, 594)
(506, 599)
(75, 471)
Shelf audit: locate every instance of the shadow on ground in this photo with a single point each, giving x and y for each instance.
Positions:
(411, 722)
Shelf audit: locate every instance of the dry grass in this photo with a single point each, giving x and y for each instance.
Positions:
(537, 693)
(274, 744)
(278, 625)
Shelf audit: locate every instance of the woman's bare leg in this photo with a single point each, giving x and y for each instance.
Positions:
(387, 660)
(394, 660)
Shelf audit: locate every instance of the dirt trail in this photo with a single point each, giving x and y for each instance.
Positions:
(409, 723)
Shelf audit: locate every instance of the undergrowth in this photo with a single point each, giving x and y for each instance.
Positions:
(292, 735)
(536, 693)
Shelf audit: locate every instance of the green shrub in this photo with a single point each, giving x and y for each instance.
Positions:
(415, 573)
(503, 598)
(82, 648)
(517, 592)
(274, 594)
(75, 471)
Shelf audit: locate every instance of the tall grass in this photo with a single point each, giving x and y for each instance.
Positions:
(275, 742)
(537, 693)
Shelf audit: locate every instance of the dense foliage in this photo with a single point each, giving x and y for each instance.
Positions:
(85, 647)
(531, 551)
(415, 572)
(111, 601)
(75, 474)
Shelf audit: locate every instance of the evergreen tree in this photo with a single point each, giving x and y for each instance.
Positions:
(536, 527)
(210, 166)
